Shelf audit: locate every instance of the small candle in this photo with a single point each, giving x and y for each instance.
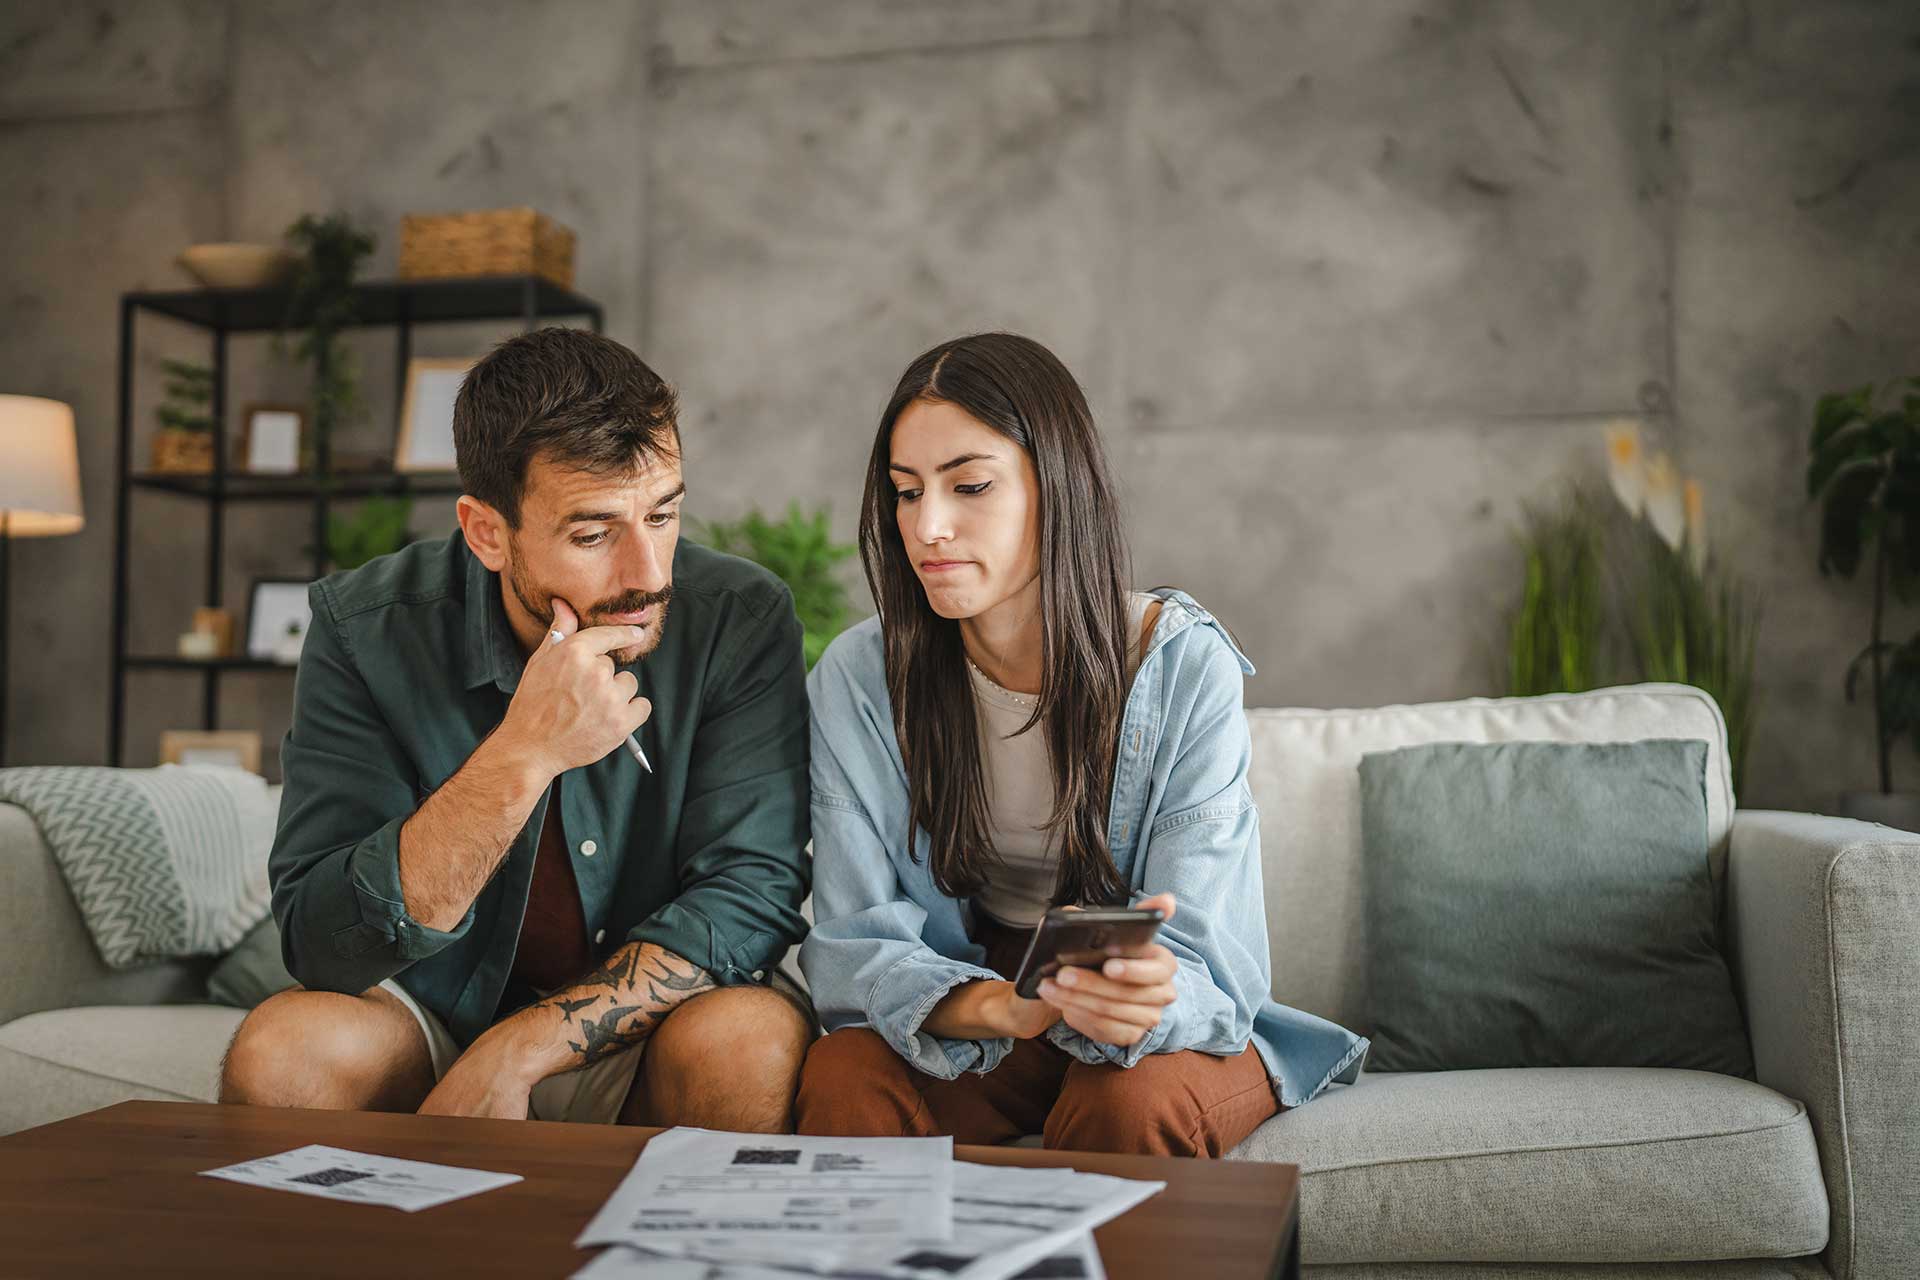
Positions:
(199, 644)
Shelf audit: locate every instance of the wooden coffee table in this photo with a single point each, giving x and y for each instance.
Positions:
(117, 1192)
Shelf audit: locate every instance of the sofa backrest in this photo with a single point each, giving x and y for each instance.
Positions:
(1305, 777)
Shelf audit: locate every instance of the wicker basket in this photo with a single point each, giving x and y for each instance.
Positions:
(182, 452)
(496, 242)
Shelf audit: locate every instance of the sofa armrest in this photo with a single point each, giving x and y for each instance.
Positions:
(47, 957)
(1824, 926)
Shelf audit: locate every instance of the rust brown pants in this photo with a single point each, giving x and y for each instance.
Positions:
(1168, 1104)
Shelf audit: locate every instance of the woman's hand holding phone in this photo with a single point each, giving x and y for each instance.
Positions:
(1122, 1000)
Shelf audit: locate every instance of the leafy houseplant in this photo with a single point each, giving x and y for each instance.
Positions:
(802, 552)
(1695, 623)
(319, 307)
(1864, 470)
(1629, 591)
(185, 439)
(1556, 631)
(379, 527)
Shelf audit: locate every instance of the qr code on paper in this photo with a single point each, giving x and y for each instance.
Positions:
(331, 1177)
(766, 1155)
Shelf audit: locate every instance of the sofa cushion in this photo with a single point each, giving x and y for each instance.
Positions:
(1305, 777)
(1572, 1164)
(252, 971)
(1544, 904)
(68, 1061)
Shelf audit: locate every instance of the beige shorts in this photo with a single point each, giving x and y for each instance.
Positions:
(591, 1095)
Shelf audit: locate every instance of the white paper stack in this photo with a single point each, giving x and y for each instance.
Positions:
(749, 1207)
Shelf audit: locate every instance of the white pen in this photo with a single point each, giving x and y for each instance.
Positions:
(633, 743)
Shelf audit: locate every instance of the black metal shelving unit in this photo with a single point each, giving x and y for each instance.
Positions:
(399, 304)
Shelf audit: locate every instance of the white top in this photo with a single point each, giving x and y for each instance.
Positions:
(1019, 783)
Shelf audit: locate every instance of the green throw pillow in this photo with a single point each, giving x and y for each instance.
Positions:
(1544, 904)
(252, 971)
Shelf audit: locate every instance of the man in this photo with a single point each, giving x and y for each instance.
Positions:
(490, 904)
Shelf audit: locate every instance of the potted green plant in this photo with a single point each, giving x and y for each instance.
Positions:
(1864, 471)
(1691, 620)
(184, 442)
(801, 550)
(320, 305)
(1555, 632)
(1629, 591)
(376, 529)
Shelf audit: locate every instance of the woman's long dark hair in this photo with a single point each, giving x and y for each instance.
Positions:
(1020, 389)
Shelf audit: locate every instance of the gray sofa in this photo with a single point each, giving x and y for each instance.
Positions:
(1812, 1170)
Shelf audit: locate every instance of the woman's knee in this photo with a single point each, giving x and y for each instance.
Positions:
(854, 1085)
(1176, 1104)
(1124, 1110)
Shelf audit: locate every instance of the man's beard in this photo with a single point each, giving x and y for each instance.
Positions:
(539, 603)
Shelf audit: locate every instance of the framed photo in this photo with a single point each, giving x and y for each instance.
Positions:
(277, 618)
(226, 748)
(270, 436)
(426, 414)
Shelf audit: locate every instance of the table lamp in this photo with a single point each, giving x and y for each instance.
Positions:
(39, 492)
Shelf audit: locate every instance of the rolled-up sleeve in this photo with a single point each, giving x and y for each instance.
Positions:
(741, 852)
(867, 961)
(335, 866)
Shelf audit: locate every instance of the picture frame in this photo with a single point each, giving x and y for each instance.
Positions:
(270, 438)
(277, 619)
(223, 748)
(426, 413)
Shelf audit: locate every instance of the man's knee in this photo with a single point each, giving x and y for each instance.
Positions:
(265, 1053)
(737, 1033)
(320, 1049)
(855, 1085)
(728, 1059)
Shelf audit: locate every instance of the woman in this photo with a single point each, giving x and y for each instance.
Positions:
(1048, 738)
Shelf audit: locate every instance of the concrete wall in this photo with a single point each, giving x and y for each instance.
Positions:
(1346, 283)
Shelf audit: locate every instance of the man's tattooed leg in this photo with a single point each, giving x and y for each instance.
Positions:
(620, 1003)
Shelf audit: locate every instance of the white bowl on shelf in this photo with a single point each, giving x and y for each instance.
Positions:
(238, 266)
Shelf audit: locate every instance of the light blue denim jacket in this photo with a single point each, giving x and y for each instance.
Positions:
(887, 944)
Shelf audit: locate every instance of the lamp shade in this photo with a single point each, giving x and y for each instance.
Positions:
(39, 468)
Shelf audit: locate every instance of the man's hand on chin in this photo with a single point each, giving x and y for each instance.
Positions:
(483, 1081)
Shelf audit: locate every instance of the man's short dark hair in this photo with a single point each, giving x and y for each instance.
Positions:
(583, 400)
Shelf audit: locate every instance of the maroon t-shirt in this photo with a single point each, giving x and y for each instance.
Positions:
(553, 948)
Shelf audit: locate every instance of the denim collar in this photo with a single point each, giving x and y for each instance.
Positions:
(1189, 613)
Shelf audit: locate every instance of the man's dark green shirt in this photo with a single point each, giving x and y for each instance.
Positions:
(410, 662)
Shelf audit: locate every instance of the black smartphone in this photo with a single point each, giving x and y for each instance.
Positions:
(1081, 939)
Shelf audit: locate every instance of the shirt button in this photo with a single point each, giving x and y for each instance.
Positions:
(599, 937)
(588, 848)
